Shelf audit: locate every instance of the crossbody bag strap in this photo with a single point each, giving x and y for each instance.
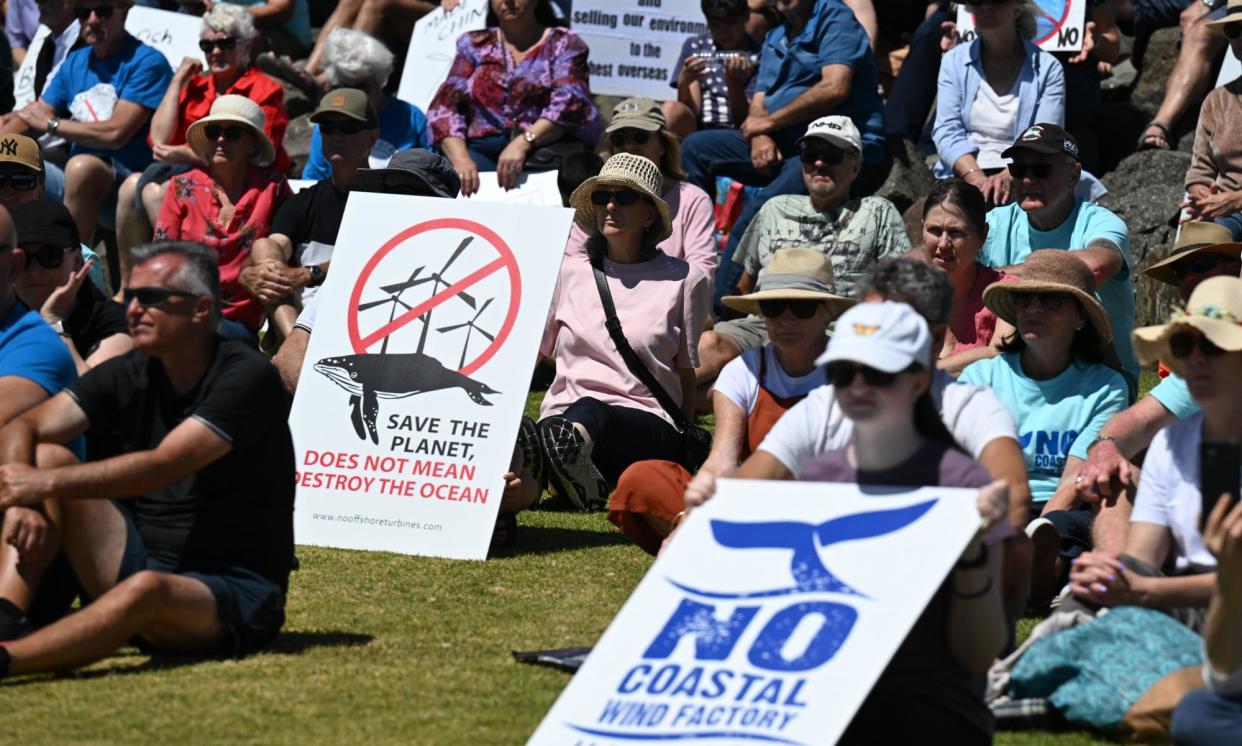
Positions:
(632, 361)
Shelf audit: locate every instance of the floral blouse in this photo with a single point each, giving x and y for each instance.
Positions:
(485, 94)
(191, 212)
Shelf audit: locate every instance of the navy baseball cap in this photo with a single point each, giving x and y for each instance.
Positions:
(1048, 139)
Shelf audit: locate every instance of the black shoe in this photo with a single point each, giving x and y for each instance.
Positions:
(13, 623)
(570, 469)
(532, 456)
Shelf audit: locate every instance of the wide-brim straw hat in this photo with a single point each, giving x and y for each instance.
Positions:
(1232, 12)
(623, 170)
(1195, 238)
(1051, 271)
(793, 274)
(1214, 309)
(231, 109)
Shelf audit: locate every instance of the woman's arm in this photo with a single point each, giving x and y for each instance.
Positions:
(570, 106)
(728, 437)
(167, 116)
(1050, 98)
(977, 627)
(949, 131)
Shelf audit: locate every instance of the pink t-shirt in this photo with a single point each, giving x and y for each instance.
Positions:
(694, 225)
(972, 323)
(662, 305)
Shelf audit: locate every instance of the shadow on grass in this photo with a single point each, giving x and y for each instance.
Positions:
(548, 540)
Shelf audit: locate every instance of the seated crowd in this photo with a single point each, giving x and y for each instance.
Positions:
(145, 458)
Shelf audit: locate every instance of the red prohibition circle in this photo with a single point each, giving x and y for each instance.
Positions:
(506, 261)
(1056, 26)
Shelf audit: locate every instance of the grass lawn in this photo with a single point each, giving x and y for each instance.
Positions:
(379, 648)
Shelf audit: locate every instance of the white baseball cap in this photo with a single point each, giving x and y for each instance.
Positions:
(887, 336)
(835, 129)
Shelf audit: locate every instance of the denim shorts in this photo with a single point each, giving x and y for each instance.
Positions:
(250, 606)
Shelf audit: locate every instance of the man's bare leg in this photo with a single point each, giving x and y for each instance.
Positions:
(1190, 80)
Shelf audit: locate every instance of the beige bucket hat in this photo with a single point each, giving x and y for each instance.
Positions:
(231, 109)
(628, 171)
(794, 274)
(1195, 238)
(1051, 271)
(1232, 12)
(1214, 308)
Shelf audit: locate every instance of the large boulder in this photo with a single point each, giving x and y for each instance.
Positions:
(1158, 62)
(1146, 191)
(909, 180)
(297, 142)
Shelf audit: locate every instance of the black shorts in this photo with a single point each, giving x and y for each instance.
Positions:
(250, 606)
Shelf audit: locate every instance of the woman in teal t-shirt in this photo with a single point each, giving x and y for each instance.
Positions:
(1052, 377)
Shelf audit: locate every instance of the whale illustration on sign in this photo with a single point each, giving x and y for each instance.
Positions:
(369, 378)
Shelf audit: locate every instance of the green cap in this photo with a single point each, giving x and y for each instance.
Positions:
(351, 103)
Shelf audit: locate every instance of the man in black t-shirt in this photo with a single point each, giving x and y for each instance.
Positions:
(202, 562)
(56, 283)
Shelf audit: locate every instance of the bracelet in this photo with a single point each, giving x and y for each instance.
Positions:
(975, 564)
(1100, 439)
(971, 171)
(677, 519)
(987, 588)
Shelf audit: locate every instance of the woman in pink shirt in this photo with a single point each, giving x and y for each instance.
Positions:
(638, 127)
(954, 228)
(598, 417)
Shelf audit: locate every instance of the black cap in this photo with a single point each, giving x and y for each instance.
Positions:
(1048, 139)
(43, 221)
(429, 170)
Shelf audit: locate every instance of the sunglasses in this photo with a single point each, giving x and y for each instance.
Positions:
(19, 182)
(624, 197)
(348, 127)
(224, 45)
(47, 259)
(1048, 301)
(1184, 343)
(1034, 170)
(619, 138)
(841, 374)
(152, 297)
(232, 132)
(1198, 265)
(1232, 30)
(803, 309)
(829, 156)
(103, 12)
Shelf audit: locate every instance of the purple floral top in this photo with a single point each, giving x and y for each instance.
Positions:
(485, 94)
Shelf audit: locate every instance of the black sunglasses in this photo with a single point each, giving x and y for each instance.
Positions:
(1036, 170)
(1232, 30)
(829, 156)
(232, 132)
(47, 258)
(622, 197)
(1184, 343)
(620, 137)
(152, 297)
(1200, 264)
(19, 182)
(1050, 300)
(223, 45)
(841, 374)
(803, 308)
(342, 127)
(83, 12)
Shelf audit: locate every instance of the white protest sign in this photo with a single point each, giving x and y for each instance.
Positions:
(1059, 25)
(407, 409)
(634, 43)
(537, 189)
(23, 82)
(433, 45)
(175, 35)
(741, 633)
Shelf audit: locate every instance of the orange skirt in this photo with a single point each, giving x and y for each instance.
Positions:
(654, 488)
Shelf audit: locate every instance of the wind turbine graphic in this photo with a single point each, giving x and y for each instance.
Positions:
(394, 298)
(470, 329)
(438, 279)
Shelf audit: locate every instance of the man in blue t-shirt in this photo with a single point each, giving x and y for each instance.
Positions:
(818, 62)
(1047, 215)
(106, 93)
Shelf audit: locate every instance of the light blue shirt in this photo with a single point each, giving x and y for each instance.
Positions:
(401, 126)
(1011, 240)
(1041, 98)
(1174, 395)
(1057, 418)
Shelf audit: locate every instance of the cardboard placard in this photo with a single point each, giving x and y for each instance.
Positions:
(1059, 25)
(768, 618)
(175, 35)
(407, 409)
(433, 45)
(634, 43)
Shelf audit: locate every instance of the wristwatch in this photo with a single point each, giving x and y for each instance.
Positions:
(316, 276)
(529, 137)
(1100, 439)
(53, 124)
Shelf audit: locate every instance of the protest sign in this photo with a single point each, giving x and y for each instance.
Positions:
(407, 408)
(539, 190)
(175, 35)
(432, 48)
(23, 82)
(634, 43)
(1059, 25)
(740, 632)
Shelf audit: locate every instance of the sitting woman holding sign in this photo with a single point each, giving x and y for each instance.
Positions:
(880, 365)
(623, 331)
(795, 297)
(514, 89)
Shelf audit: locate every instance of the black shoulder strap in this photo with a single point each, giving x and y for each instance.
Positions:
(632, 361)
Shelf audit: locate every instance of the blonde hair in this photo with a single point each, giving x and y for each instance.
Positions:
(670, 162)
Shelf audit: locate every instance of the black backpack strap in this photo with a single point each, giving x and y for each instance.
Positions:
(632, 361)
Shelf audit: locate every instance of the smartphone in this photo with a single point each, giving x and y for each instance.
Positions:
(1220, 461)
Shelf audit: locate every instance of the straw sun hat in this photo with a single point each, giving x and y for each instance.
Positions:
(1195, 238)
(1051, 271)
(228, 110)
(1214, 309)
(793, 274)
(623, 170)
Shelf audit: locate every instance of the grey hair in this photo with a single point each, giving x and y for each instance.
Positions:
(923, 286)
(352, 56)
(200, 270)
(231, 20)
